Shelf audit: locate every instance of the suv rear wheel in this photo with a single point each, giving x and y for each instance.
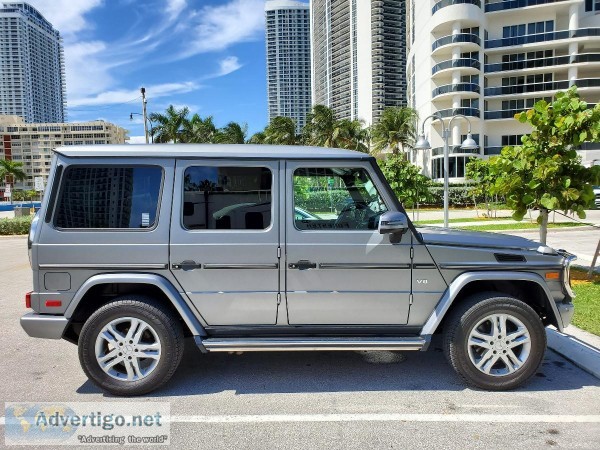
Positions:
(494, 342)
(131, 345)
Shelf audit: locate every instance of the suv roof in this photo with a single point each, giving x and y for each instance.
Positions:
(248, 151)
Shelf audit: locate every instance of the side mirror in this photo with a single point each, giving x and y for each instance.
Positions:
(393, 222)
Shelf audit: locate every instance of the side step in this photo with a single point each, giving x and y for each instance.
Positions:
(271, 344)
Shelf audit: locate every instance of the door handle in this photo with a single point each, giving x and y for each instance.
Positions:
(186, 265)
(303, 265)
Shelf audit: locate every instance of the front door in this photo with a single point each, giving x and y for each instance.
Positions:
(225, 239)
(339, 269)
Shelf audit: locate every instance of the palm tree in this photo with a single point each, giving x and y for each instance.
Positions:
(351, 135)
(320, 125)
(200, 131)
(281, 131)
(396, 129)
(11, 171)
(232, 133)
(170, 125)
(257, 138)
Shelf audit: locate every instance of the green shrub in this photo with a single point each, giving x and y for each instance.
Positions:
(18, 225)
(322, 200)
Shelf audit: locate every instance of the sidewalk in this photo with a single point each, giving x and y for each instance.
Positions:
(578, 346)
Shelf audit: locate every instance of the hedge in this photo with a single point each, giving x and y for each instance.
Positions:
(322, 200)
(18, 225)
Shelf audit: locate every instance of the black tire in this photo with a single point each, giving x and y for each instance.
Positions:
(467, 315)
(164, 323)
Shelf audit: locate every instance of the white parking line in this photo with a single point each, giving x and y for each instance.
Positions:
(295, 418)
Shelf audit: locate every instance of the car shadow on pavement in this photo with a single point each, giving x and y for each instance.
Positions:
(348, 371)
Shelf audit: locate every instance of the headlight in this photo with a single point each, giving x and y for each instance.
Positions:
(568, 259)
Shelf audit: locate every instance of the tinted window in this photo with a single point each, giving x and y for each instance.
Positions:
(227, 198)
(109, 197)
(336, 199)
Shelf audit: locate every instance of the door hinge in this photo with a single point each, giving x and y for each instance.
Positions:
(410, 299)
(412, 253)
(279, 252)
(278, 299)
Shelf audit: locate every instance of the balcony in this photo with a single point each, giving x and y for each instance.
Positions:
(542, 37)
(452, 88)
(503, 114)
(469, 112)
(542, 62)
(456, 63)
(443, 3)
(456, 39)
(503, 5)
(540, 87)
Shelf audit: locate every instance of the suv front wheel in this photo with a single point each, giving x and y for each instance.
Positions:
(494, 341)
(131, 345)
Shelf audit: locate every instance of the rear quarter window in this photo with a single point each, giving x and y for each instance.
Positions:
(109, 197)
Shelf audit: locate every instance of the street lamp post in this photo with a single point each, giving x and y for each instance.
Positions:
(146, 122)
(468, 144)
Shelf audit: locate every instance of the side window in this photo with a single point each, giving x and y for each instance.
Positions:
(109, 197)
(227, 198)
(336, 199)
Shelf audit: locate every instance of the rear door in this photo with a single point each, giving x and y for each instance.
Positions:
(225, 239)
(339, 269)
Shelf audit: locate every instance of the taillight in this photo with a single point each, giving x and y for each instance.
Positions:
(28, 300)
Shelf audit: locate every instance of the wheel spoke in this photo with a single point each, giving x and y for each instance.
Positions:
(129, 369)
(507, 362)
(484, 357)
(136, 367)
(487, 367)
(514, 358)
(117, 336)
(112, 354)
(111, 364)
(107, 336)
(138, 334)
(132, 329)
(478, 342)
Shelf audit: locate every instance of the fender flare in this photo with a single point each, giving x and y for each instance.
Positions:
(176, 299)
(462, 280)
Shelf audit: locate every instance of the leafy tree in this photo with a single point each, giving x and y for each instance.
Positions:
(409, 185)
(257, 138)
(396, 130)
(11, 171)
(232, 133)
(351, 135)
(169, 126)
(545, 172)
(320, 126)
(281, 131)
(479, 172)
(199, 131)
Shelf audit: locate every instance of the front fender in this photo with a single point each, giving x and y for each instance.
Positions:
(177, 300)
(464, 279)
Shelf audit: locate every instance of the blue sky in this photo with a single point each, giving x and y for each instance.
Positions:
(204, 54)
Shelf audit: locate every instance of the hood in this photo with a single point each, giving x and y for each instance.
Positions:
(462, 238)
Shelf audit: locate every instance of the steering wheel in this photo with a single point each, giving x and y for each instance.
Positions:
(355, 215)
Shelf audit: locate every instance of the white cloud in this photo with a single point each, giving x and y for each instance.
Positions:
(216, 28)
(228, 65)
(127, 95)
(175, 7)
(67, 16)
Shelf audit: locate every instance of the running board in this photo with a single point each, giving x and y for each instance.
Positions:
(271, 344)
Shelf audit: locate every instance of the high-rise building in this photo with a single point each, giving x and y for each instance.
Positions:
(32, 143)
(32, 77)
(489, 60)
(288, 60)
(358, 56)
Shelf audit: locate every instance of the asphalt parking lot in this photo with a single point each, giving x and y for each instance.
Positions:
(315, 400)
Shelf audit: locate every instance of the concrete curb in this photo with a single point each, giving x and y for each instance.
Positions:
(578, 346)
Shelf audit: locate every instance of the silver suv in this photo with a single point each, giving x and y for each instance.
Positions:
(269, 248)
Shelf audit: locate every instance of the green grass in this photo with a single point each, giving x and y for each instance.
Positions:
(518, 226)
(587, 301)
(468, 219)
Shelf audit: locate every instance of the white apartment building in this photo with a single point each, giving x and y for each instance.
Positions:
(358, 56)
(32, 143)
(32, 76)
(288, 60)
(489, 60)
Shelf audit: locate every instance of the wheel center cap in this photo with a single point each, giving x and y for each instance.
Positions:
(499, 346)
(127, 349)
